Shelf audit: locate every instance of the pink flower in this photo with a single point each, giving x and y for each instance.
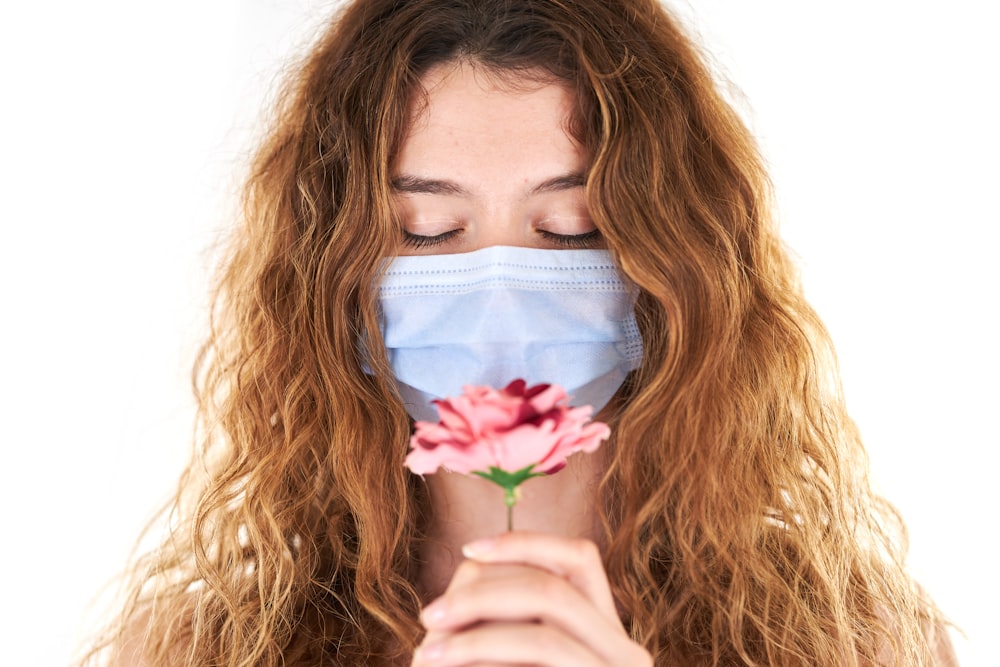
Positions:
(508, 429)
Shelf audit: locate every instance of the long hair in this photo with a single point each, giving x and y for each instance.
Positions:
(739, 524)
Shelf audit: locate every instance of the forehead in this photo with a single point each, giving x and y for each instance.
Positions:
(465, 116)
(465, 85)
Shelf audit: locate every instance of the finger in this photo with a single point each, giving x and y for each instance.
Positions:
(578, 560)
(507, 644)
(525, 595)
(469, 571)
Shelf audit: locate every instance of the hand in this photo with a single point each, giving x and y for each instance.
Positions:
(528, 599)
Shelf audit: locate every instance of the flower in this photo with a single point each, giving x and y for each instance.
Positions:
(506, 436)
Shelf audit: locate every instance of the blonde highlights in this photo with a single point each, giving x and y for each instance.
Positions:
(739, 526)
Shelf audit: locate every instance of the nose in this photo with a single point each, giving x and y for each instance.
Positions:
(501, 225)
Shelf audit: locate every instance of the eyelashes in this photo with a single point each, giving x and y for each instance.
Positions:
(585, 240)
(417, 241)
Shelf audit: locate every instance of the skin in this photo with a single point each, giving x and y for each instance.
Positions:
(489, 161)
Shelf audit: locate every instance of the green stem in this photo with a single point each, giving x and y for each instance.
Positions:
(509, 498)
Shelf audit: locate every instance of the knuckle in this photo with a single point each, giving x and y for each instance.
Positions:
(468, 570)
(586, 551)
(641, 657)
(464, 576)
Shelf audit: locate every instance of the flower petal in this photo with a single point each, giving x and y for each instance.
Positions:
(510, 429)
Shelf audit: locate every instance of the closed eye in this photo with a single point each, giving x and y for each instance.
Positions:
(417, 241)
(589, 239)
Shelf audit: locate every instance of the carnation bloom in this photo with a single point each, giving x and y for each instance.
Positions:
(509, 429)
(506, 436)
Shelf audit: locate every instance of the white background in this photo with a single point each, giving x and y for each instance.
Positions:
(123, 124)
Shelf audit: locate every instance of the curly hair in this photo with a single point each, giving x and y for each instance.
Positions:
(739, 524)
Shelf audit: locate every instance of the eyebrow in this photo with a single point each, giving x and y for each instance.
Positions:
(415, 185)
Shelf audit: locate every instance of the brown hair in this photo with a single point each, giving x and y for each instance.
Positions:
(739, 525)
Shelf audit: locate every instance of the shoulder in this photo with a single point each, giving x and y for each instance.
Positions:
(941, 647)
(141, 644)
(938, 641)
(130, 649)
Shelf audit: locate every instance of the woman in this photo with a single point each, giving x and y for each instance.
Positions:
(727, 521)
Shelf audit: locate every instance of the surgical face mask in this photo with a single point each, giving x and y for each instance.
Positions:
(501, 313)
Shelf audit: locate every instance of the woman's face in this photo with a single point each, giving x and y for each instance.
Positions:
(490, 161)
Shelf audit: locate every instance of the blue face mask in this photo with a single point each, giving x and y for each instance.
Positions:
(501, 313)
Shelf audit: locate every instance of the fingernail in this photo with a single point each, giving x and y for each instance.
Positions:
(433, 613)
(479, 548)
(429, 653)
